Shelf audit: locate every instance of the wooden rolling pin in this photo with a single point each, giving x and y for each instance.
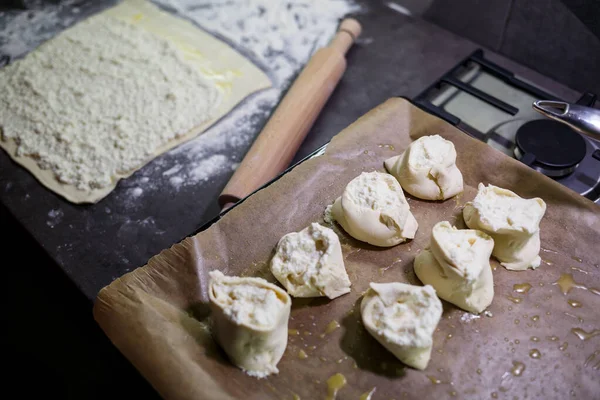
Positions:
(276, 145)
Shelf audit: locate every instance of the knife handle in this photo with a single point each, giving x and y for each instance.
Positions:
(278, 142)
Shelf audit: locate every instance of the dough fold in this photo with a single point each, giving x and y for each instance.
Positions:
(373, 209)
(457, 265)
(250, 321)
(513, 222)
(309, 263)
(427, 169)
(402, 318)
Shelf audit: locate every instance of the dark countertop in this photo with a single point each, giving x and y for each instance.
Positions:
(94, 244)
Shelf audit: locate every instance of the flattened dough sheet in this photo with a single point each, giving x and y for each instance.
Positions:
(232, 73)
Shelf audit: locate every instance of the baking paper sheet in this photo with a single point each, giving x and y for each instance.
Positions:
(528, 345)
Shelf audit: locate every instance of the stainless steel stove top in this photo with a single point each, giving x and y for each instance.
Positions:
(495, 125)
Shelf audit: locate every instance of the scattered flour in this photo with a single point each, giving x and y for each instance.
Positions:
(137, 192)
(55, 216)
(468, 317)
(279, 36)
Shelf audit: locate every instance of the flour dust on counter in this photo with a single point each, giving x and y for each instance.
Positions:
(257, 28)
(279, 36)
(25, 30)
(91, 110)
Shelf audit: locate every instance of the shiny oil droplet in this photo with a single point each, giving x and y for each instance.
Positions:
(535, 318)
(449, 336)
(488, 314)
(578, 259)
(334, 384)
(322, 359)
(518, 368)
(552, 338)
(293, 332)
(535, 354)
(517, 341)
(302, 355)
(521, 287)
(583, 335)
(591, 358)
(515, 300)
(479, 371)
(332, 326)
(549, 250)
(583, 271)
(295, 396)
(494, 395)
(434, 380)
(574, 303)
(563, 346)
(509, 308)
(517, 322)
(566, 283)
(367, 395)
(535, 339)
(307, 333)
(452, 394)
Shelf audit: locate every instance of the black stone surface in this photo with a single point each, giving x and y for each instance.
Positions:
(558, 38)
(94, 244)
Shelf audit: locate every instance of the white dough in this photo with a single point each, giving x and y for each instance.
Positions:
(250, 321)
(100, 99)
(457, 265)
(402, 318)
(373, 209)
(309, 263)
(427, 169)
(513, 223)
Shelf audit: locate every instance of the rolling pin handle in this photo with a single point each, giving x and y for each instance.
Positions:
(278, 142)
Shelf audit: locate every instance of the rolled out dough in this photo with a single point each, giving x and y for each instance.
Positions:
(224, 68)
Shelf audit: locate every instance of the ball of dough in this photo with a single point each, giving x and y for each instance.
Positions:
(250, 321)
(427, 169)
(513, 223)
(309, 263)
(373, 209)
(457, 265)
(402, 318)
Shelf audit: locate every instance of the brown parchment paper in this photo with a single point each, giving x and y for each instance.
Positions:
(156, 315)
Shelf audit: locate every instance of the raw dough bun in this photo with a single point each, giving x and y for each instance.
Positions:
(457, 265)
(427, 169)
(309, 263)
(513, 223)
(402, 318)
(250, 321)
(373, 209)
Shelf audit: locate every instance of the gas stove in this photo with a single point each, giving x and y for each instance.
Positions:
(493, 105)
